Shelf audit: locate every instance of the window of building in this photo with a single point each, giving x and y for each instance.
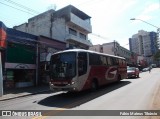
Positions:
(72, 31)
(82, 36)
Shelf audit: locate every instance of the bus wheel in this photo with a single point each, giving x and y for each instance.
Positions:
(94, 85)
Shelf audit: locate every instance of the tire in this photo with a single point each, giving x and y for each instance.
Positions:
(94, 85)
(119, 78)
(138, 76)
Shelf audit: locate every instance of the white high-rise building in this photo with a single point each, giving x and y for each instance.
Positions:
(145, 44)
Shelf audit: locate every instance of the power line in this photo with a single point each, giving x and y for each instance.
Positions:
(97, 35)
(22, 6)
(16, 8)
(86, 2)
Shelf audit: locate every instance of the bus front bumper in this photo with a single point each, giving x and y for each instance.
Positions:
(68, 87)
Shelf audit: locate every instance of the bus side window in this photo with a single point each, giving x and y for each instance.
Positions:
(114, 61)
(117, 63)
(82, 63)
(94, 59)
(103, 60)
(120, 62)
(109, 61)
(124, 62)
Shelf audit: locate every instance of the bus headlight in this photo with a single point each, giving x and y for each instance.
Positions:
(72, 82)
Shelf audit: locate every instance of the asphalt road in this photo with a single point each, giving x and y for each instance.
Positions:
(128, 94)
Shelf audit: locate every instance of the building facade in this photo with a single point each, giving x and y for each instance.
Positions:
(68, 24)
(20, 59)
(25, 58)
(113, 48)
(145, 44)
(136, 42)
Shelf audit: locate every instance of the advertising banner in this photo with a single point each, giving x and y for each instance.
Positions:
(3, 35)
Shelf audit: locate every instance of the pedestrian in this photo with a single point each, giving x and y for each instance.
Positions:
(149, 69)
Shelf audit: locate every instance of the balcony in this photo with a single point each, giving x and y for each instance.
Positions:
(73, 38)
(81, 24)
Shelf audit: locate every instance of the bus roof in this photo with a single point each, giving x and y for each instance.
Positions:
(88, 51)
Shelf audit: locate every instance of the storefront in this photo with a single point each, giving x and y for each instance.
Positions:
(19, 75)
(20, 60)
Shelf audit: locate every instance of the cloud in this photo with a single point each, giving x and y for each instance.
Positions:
(151, 8)
(144, 17)
(147, 13)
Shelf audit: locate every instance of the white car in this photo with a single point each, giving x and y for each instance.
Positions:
(145, 69)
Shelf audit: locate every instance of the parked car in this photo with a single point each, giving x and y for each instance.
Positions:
(145, 69)
(132, 72)
(153, 65)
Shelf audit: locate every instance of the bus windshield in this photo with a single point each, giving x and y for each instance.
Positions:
(63, 65)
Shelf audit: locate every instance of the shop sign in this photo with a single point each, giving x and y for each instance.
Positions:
(20, 66)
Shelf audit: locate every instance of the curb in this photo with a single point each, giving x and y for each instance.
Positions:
(23, 95)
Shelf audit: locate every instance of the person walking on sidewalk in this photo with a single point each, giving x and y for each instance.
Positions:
(149, 69)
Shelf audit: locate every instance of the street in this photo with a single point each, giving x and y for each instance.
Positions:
(128, 94)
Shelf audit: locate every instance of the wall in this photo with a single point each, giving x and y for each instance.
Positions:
(97, 48)
(38, 25)
(22, 27)
(108, 48)
(55, 24)
(59, 29)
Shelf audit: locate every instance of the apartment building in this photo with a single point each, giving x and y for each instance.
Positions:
(144, 43)
(68, 24)
(136, 42)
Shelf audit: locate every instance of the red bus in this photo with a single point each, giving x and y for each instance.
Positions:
(78, 69)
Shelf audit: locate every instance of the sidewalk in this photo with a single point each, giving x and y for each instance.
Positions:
(21, 92)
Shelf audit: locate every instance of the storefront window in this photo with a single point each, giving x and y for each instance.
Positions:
(10, 75)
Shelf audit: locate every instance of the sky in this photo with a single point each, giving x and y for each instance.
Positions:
(110, 19)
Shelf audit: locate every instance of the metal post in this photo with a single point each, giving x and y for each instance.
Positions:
(158, 37)
(1, 76)
(37, 64)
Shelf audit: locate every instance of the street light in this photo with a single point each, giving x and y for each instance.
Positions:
(145, 22)
(158, 29)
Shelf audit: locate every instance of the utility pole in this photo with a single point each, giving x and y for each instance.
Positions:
(1, 76)
(37, 64)
(3, 37)
(115, 48)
